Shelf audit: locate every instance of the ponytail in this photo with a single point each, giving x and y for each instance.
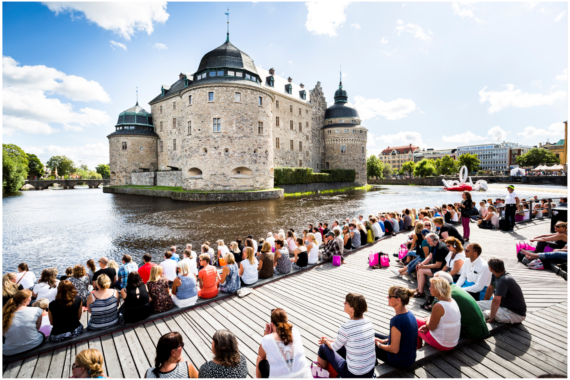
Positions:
(10, 308)
(284, 328)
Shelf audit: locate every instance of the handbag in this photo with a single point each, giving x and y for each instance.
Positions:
(336, 260)
(402, 253)
(318, 372)
(385, 260)
(222, 262)
(373, 259)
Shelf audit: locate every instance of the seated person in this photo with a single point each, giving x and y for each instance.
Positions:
(447, 230)
(169, 360)
(207, 278)
(355, 236)
(184, 291)
(102, 305)
(455, 259)
(301, 259)
(492, 219)
(563, 202)
(398, 348)
(160, 300)
(229, 282)
(248, 268)
(332, 248)
(20, 324)
(556, 256)
(228, 362)
(474, 276)
(65, 313)
(441, 330)
(136, 301)
(537, 212)
(144, 269)
(434, 262)
(482, 209)
(508, 304)
(266, 261)
(347, 239)
(282, 263)
(473, 325)
(416, 256)
(10, 287)
(169, 268)
(519, 216)
(556, 240)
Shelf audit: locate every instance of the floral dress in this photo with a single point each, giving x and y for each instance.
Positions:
(82, 286)
(232, 283)
(158, 292)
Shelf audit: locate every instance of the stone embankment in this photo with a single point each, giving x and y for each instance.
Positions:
(436, 181)
(195, 196)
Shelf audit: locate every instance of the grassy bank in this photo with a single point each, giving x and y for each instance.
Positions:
(181, 190)
(341, 190)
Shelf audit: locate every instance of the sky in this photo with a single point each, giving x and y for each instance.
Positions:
(437, 75)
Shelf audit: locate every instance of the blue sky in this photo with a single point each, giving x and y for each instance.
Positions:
(432, 74)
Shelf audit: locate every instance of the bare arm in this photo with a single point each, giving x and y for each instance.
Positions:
(394, 346)
(225, 273)
(241, 269)
(437, 312)
(456, 267)
(79, 313)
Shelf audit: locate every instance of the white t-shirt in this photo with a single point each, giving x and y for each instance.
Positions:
(510, 198)
(450, 263)
(249, 271)
(271, 240)
(223, 250)
(494, 219)
(169, 269)
(43, 291)
(23, 334)
(286, 361)
(191, 264)
(319, 238)
(314, 254)
(28, 280)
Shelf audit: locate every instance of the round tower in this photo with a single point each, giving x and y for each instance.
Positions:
(344, 137)
(216, 127)
(132, 147)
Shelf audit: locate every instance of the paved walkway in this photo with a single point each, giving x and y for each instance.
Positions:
(314, 302)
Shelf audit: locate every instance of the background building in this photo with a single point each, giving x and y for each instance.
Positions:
(398, 155)
(434, 154)
(495, 157)
(559, 148)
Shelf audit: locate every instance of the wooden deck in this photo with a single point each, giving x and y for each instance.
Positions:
(314, 302)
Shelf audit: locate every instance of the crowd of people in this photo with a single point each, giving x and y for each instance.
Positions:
(462, 290)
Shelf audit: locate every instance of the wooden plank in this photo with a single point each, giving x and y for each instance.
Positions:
(137, 352)
(27, 367)
(491, 350)
(12, 369)
(479, 367)
(111, 358)
(196, 350)
(125, 357)
(448, 369)
(95, 344)
(146, 342)
(69, 360)
(42, 366)
(537, 343)
(495, 363)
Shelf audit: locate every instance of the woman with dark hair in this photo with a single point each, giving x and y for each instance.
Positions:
(169, 362)
(347, 239)
(65, 313)
(91, 269)
(466, 209)
(301, 259)
(81, 282)
(25, 276)
(266, 261)
(136, 306)
(46, 286)
(20, 324)
(227, 362)
(281, 353)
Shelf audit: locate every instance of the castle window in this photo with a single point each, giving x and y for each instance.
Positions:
(277, 143)
(161, 126)
(353, 121)
(317, 166)
(300, 127)
(195, 173)
(239, 74)
(327, 165)
(307, 125)
(212, 73)
(173, 144)
(362, 149)
(277, 104)
(217, 125)
(341, 121)
(307, 137)
(291, 109)
(299, 112)
(343, 149)
(337, 131)
(189, 128)
(160, 146)
(303, 94)
(288, 89)
(231, 73)
(277, 119)
(260, 127)
(291, 124)
(124, 145)
(173, 123)
(260, 101)
(238, 97)
(270, 81)
(346, 131)
(210, 96)
(247, 76)
(329, 131)
(307, 112)
(220, 73)
(173, 105)
(160, 109)
(291, 146)
(190, 100)
(361, 131)
(300, 146)
(300, 163)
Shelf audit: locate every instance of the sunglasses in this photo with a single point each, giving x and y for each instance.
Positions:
(449, 245)
(181, 345)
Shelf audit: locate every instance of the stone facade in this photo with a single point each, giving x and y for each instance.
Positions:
(169, 178)
(143, 179)
(128, 154)
(318, 105)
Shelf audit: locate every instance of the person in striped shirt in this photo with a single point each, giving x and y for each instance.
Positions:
(353, 353)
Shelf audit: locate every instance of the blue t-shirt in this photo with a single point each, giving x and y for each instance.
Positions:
(381, 223)
(408, 327)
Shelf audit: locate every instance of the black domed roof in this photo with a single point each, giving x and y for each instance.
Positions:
(339, 108)
(227, 55)
(135, 115)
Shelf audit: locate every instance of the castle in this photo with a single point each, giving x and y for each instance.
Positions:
(228, 125)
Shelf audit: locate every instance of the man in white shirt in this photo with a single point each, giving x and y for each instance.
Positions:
(511, 204)
(169, 268)
(475, 274)
(270, 239)
(336, 226)
(189, 247)
(378, 233)
(254, 243)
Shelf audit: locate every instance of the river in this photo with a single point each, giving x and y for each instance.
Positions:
(62, 228)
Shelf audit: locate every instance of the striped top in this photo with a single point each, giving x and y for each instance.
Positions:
(357, 337)
(178, 372)
(103, 313)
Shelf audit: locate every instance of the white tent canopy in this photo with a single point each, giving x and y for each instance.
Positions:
(516, 171)
(555, 167)
(538, 168)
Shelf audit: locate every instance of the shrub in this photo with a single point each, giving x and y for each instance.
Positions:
(294, 176)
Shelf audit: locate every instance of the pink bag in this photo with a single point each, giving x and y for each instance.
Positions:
(548, 249)
(318, 372)
(336, 261)
(385, 260)
(373, 259)
(402, 253)
(529, 247)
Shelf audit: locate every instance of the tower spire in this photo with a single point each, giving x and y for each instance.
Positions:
(228, 34)
(340, 85)
(137, 95)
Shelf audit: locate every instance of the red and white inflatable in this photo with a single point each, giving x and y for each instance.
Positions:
(462, 186)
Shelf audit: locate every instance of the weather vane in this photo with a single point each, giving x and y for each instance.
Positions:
(228, 14)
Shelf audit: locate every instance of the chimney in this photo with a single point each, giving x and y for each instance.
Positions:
(302, 85)
(182, 76)
(289, 79)
(272, 71)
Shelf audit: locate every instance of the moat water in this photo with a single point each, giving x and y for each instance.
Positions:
(62, 228)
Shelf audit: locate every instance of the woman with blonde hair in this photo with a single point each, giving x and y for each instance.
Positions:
(441, 330)
(491, 220)
(158, 291)
(113, 264)
(312, 249)
(20, 324)
(363, 234)
(229, 283)
(234, 250)
(266, 260)
(184, 287)
(248, 268)
(88, 363)
(9, 287)
(398, 348)
(80, 280)
(102, 304)
(291, 241)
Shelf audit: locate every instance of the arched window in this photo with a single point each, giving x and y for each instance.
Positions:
(195, 173)
(241, 172)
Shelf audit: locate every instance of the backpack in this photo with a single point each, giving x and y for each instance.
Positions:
(504, 225)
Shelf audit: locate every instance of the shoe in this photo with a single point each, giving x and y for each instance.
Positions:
(536, 264)
(395, 254)
(396, 272)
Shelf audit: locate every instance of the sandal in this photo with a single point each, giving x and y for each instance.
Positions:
(427, 306)
(419, 295)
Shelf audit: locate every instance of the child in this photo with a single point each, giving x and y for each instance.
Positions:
(43, 304)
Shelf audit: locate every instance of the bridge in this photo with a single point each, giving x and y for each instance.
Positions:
(41, 184)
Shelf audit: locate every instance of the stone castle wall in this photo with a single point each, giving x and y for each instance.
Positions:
(319, 106)
(170, 179)
(140, 153)
(354, 139)
(143, 179)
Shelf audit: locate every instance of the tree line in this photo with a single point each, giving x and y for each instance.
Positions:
(17, 166)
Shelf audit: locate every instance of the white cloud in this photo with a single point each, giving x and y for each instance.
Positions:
(159, 46)
(556, 130)
(464, 10)
(355, 26)
(27, 108)
(493, 134)
(414, 29)
(392, 110)
(559, 17)
(551, 87)
(497, 133)
(537, 83)
(424, 51)
(403, 5)
(290, 62)
(400, 138)
(325, 17)
(563, 76)
(90, 154)
(510, 97)
(384, 40)
(122, 18)
(115, 44)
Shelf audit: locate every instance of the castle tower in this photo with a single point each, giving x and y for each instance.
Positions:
(132, 147)
(344, 137)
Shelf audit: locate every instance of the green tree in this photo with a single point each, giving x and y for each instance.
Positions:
(446, 165)
(424, 168)
(63, 164)
(87, 174)
(105, 170)
(373, 167)
(83, 167)
(14, 168)
(470, 160)
(35, 166)
(387, 170)
(408, 167)
(537, 156)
